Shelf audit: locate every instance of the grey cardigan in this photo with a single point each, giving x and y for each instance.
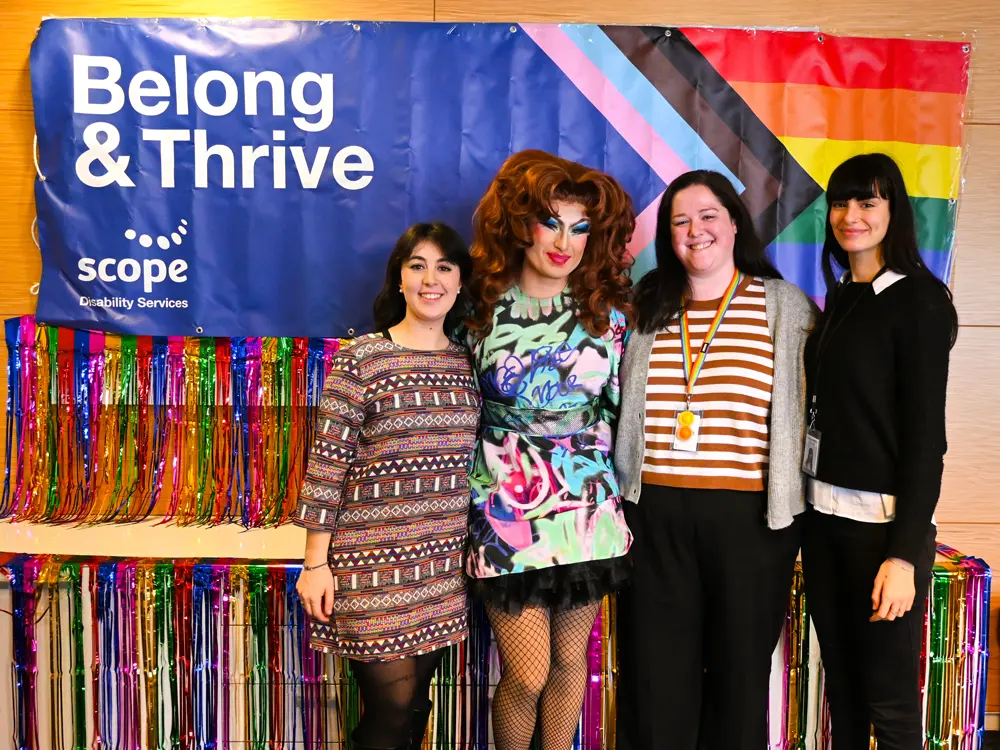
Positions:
(790, 317)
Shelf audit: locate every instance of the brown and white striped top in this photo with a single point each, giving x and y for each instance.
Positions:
(733, 394)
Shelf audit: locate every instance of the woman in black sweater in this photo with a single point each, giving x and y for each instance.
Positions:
(877, 374)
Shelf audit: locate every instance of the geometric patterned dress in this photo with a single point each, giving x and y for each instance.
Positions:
(388, 477)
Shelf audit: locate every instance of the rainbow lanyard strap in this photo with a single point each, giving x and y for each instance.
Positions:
(693, 369)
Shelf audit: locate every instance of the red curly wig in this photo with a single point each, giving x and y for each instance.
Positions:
(524, 191)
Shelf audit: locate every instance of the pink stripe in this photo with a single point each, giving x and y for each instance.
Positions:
(96, 342)
(618, 111)
(645, 229)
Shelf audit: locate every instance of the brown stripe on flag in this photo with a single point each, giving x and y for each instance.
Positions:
(762, 189)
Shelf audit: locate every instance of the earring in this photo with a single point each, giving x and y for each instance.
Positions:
(400, 289)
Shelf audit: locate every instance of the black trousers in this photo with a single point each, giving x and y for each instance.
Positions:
(700, 620)
(872, 668)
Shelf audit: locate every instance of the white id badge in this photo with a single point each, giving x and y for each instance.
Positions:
(686, 426)
(810, 452)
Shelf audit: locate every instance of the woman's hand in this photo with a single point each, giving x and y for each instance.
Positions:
(315, 588)
(894, 590)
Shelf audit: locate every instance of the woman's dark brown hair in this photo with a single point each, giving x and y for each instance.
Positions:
(659, 295)
(390, 306)
(523, 192)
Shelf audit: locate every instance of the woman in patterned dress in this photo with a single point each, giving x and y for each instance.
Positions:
(547, 535)
(386, 496)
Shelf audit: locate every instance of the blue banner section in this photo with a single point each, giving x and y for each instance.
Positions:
(249, 178)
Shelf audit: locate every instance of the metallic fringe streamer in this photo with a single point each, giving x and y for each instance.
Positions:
(196, 431)
(199, 655)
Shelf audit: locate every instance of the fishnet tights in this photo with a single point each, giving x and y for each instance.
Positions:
(544, 658)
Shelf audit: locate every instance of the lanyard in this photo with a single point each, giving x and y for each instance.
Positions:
(693, 369)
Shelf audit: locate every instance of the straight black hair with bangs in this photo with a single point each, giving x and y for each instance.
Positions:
(877, 176)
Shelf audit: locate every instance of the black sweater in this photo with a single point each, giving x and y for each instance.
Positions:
(880, 381)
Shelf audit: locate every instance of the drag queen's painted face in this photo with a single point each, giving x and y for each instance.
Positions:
(559, 242)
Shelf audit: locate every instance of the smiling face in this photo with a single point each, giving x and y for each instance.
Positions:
(703, 233)
(557, 248)
(860, 225)
(430, 283)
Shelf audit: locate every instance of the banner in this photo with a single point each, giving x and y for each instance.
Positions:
(249, 178)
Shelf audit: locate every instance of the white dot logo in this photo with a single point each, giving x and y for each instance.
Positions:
(162, 241)
(147, 269)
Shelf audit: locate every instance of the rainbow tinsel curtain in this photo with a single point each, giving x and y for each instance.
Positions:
(201, 654)
(104, 428)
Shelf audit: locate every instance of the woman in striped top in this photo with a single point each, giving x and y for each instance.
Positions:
(711, 437)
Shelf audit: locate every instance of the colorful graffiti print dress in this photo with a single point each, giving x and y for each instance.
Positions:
(546, 524)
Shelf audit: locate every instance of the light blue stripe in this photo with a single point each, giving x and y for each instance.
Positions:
(648, 102)
(800, 264)
(645, 262)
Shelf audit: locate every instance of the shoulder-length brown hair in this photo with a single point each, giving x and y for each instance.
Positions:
(524, 191)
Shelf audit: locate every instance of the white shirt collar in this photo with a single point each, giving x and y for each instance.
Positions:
(883, 282)
(886, 280)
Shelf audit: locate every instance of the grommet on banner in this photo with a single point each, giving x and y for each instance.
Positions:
(513, 29)
(357, 27)
(34, 156)
(966, 48)
(820, 38)
(199, 329)
(350, 331)
(667, 32)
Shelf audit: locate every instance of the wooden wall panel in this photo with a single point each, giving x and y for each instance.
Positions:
(972, 468)
(19, 258)
(976, 274)
(984, 104)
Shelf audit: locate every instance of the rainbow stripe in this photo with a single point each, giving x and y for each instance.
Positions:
(829, 98)
(693, 369)
(776, 112)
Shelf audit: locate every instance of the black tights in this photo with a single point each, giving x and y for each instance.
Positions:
(392, 694)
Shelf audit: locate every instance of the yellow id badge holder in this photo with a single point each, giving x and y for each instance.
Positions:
(687, 424)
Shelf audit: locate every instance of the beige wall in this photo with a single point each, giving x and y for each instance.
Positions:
(969, 513)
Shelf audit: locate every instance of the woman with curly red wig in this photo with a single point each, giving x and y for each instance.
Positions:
(547, 533)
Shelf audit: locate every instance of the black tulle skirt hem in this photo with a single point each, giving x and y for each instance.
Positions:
(558, 588)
